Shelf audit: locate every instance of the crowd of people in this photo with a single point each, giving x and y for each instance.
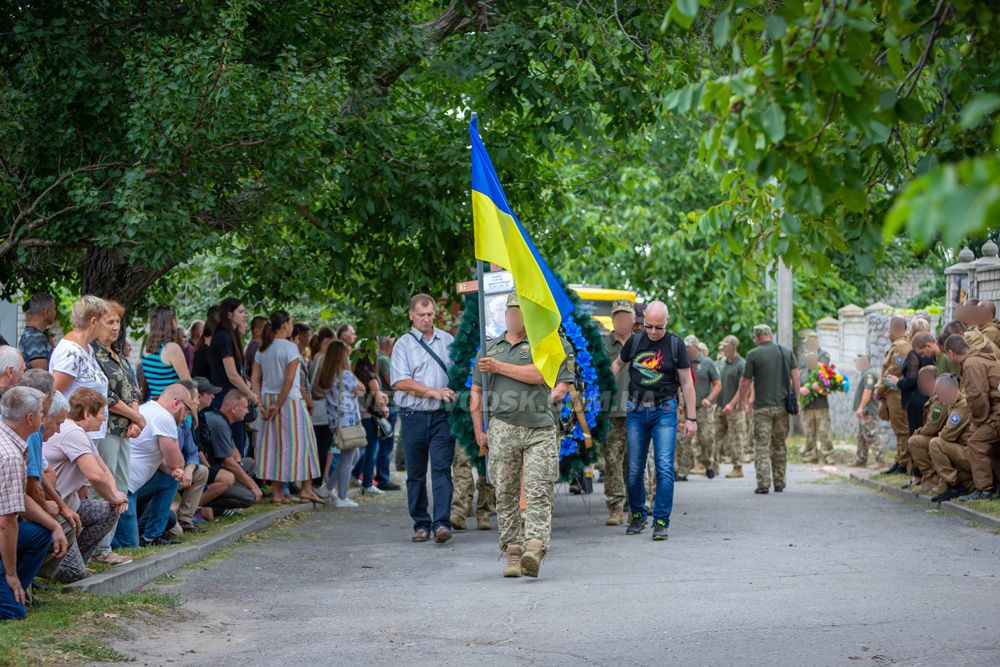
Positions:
(98, 455)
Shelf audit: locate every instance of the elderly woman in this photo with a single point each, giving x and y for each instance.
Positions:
(124, 422)
(73, 363)
(286, 451)
(76, 461)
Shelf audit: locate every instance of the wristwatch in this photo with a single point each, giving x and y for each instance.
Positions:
(692, 419)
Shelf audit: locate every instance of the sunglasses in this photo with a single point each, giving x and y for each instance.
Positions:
(658, 327)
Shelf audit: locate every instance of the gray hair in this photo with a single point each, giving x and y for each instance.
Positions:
(38, 379)
(39, 302)
(19, 402)
(59, 404)
(10, 357)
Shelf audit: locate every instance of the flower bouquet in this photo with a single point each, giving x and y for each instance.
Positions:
(822, 381)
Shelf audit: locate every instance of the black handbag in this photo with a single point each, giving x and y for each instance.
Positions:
(791, 400)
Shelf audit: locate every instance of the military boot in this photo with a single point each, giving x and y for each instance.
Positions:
(735, 473)
(457, 522)
(699, 470)
(513, 567)
(531, 560)
(483, 522)
(615, 518)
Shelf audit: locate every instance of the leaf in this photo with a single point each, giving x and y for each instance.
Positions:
(720, 28)
(775, 27)
(773, 121)
(981, 105)
(683, 12)
(845, 77)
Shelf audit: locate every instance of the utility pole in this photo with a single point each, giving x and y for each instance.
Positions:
(784, 305)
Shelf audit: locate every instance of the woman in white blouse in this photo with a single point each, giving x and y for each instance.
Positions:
(73, 363)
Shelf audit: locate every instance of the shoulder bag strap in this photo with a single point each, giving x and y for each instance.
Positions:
(784, 368)
(431, 352)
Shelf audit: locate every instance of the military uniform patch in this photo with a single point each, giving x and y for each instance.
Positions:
(936, 412)
(900, 359)
(954, 419)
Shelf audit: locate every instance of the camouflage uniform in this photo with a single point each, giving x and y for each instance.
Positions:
(535, 450)
(816, 424)
(731, 434)
(615, 447)
(868, 439)
(770, 430)
(461, 499)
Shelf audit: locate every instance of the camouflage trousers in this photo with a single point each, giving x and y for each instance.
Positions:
(731, 435)
(770, 431)
(461, 479)
(698, 449)
(615, 448)
(535, 452)
(868, 438)
(816, 424)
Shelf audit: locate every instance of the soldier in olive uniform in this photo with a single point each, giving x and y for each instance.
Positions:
(892, 405)
(866, 410)
(522, 438)
(948, 449)
(701, 448)
(935, 411)
(730, 422)
(461, 499)
(616, 445)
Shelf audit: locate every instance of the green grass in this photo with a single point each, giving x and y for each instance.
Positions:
(991, 507)
(69, 628)
(211, 528)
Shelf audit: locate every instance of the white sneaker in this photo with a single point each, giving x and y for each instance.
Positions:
(322, 492)
(346, 502)
(374, 490)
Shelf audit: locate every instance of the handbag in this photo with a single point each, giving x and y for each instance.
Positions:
(347, 438)
(791, 400)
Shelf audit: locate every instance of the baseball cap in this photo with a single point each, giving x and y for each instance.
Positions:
(731, 340)
(691, 341)
(622, 306)
(762, 330)
(206, 387)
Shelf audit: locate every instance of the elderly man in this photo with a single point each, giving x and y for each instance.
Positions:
(659, 369)
(153, 452)
(24, 544)
(419, 373)
(11, 367)
(230, 481)
(771, 373)
(34, 343)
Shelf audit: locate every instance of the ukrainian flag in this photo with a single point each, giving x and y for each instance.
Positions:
(501, 239)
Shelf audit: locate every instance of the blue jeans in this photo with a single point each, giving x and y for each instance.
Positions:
(659, 424)
(33, 544)
(156, 496)
(383, 460)
(370, 451)
(427, 436)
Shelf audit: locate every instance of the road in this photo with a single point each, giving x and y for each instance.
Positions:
(825, 574)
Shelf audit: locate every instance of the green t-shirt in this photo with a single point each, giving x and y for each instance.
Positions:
(516, 402)
(730, 373)
(705, 373)
(383, 365)
(867, 380)
(763, 365)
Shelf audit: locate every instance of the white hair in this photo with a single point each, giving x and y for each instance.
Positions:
(38, 379)
(59, 404)
(10, 357)
(19, 402)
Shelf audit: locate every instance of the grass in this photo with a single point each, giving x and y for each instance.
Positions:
(211, 528)
(991, 507)
(69, 628)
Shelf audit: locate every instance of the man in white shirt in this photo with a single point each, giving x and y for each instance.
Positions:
(155, 468)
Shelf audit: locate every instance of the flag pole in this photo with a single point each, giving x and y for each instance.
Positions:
(484, 404)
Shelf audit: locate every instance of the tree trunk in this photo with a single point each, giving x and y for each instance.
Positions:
(107, 273)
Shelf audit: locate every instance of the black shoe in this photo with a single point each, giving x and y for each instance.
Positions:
(779, 489)
(762, 490)
(636, 525)
(160, 541)
(681, 478)
(389, 486)
(710, 473)
(950, 493)
(896, 469)
(659, 530)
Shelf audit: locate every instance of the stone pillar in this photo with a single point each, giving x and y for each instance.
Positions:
(828, 330)
(987, 273)
(958, 283)
(853, 332)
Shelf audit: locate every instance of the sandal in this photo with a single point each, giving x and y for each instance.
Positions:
(111, 558)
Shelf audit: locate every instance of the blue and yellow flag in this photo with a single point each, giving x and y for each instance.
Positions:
(501, 239)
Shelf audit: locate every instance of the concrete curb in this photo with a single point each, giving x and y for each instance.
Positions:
(954, 508)
(135, 575)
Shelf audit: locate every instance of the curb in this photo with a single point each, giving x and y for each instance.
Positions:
(954, 508)
(135, 575)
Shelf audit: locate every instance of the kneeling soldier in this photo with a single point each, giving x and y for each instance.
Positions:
(948, 449)
(919, 444)
(522, 438)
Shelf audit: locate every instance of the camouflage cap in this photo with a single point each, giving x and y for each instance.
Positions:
(622, 306)
(731, 340)
(691, 341)
(512, 301)
(762, 330)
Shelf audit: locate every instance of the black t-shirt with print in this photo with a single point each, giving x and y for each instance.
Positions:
(653, 366)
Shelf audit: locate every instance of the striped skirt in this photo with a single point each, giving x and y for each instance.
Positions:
(286, 446)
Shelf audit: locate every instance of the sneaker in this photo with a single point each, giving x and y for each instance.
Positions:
(659, 530)
(373, 490)
(950, 493)
(977, 495)
(345, 502)
(710, 473)
(232, 512)
(355, 482)
(322, 491)
(735, 473)
(636, 525)
(389, 486)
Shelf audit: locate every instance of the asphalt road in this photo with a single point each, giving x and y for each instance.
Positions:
(825, 574)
